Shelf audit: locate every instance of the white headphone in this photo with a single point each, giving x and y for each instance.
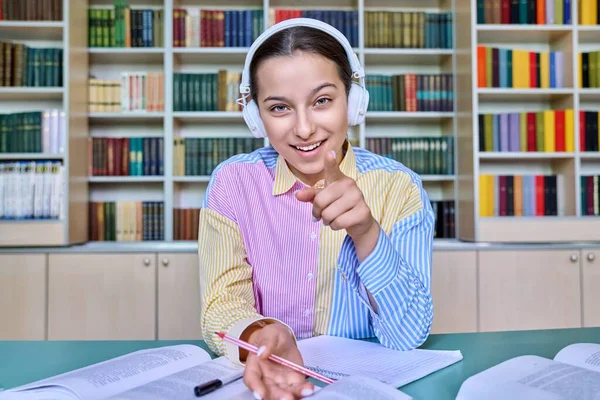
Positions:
(358, 98)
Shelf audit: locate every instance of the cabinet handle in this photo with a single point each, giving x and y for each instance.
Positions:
(146, 262)
(165, 261)
(591, 257)
(574, 257)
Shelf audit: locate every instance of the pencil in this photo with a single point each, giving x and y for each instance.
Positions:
(275, 358)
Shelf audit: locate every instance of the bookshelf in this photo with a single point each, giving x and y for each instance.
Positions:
(181, 194)
(170, 122)
(24, 35)
(529, 137)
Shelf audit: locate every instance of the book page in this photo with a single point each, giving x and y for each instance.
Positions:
(359, 387)
(181, 384)
(532, 377)
(338, 357)
(584, 355)
(123, 373)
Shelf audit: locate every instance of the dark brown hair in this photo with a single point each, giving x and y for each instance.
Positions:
(301, 38)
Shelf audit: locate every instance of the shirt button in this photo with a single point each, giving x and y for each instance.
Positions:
(309, 275)
(313, 235)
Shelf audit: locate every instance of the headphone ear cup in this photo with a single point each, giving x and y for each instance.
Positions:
(252, 118)
(358, 101)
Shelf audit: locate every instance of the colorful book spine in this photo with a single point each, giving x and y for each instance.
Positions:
(206, 91)
(589, 12)
(589, 69)
(520, 195)
(519, 69)
(33, 132)
(132, 92)
(31, 10)
(527, 131)
(126, 156)
(590, 195)
(530, 12)
(126, 221)
(122, 26)
(410, 92)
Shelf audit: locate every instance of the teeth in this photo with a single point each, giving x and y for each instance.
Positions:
(309, 148)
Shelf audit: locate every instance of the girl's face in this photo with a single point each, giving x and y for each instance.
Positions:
(303, 105)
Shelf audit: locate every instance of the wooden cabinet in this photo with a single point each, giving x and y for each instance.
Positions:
(178, 296)
(453, 288)
(529, 289)
(22, 296)
(101, 296)
(590, 270)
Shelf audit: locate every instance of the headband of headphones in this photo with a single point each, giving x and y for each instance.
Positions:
(357, 71)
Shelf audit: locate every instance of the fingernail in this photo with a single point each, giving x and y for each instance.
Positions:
(260, 350)
(257, 396)
(324, 223)
(306, 392)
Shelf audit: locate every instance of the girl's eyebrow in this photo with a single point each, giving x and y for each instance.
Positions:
(313, 92)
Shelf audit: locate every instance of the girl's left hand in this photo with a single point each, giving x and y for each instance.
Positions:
(340, 204)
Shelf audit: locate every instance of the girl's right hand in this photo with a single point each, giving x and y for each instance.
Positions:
(267, 379)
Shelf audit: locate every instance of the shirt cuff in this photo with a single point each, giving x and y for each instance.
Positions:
(232, 351)
(380, 267)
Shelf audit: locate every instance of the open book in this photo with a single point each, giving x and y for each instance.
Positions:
(172, 372)
(573, 374)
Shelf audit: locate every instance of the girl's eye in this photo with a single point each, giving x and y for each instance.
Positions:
(323, 101)
(278, 108)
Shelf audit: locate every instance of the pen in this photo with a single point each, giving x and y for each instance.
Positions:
(213, 385)
(275, 358)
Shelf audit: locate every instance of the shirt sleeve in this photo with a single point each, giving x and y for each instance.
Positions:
(397, 273)
(226, 289)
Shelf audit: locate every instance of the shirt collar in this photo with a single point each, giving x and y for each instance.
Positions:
(285, 178)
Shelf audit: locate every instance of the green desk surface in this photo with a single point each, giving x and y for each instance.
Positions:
(27, 361)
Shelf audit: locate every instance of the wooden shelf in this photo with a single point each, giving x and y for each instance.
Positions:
(30, 93)
(30, 156)
(36, 232)
(126, 55)
(523, 155)
(403, 115)
(509, 94)
(31, 30)
(205, 116)
(412, 57)
(191, 179)
(538, 229)
(125, 179)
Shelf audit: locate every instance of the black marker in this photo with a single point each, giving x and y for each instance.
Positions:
(213, 385)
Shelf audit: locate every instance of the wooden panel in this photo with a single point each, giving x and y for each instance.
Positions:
(529, 290)
(590, 263)
(538, 229)
(22, 296)
(454, 291)
(32, 233)
(102, 296)
(178, 297)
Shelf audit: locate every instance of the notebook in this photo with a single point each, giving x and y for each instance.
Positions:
(337, 357)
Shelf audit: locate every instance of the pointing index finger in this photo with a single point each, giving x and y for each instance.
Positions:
(332, 169)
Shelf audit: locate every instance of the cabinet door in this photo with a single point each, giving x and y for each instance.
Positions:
(178, 296)
(101, 296)
(529, 289)
(454, 291)
(22, 296)
(591, 282)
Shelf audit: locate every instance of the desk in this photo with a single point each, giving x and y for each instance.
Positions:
(23, 362)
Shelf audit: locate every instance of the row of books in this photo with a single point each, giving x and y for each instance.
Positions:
(195, 27)
(124, 221)
(126, 156)
(519, 69)
(409, 29)
(520, 195)
(410, 92)
(206, 91)
(427, 156)
(590, 195)
(21, 65)
(589, 69)
(589, 130)
(445, 225)
(199, 156)
(132, 92)
(346, 21)
(33, 132)
(532, 12)
(31, 10)
(124, 27)
(185, 223)
(31, 190)
(527, 131)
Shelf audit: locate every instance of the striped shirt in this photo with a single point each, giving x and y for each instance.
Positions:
(262, 257)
